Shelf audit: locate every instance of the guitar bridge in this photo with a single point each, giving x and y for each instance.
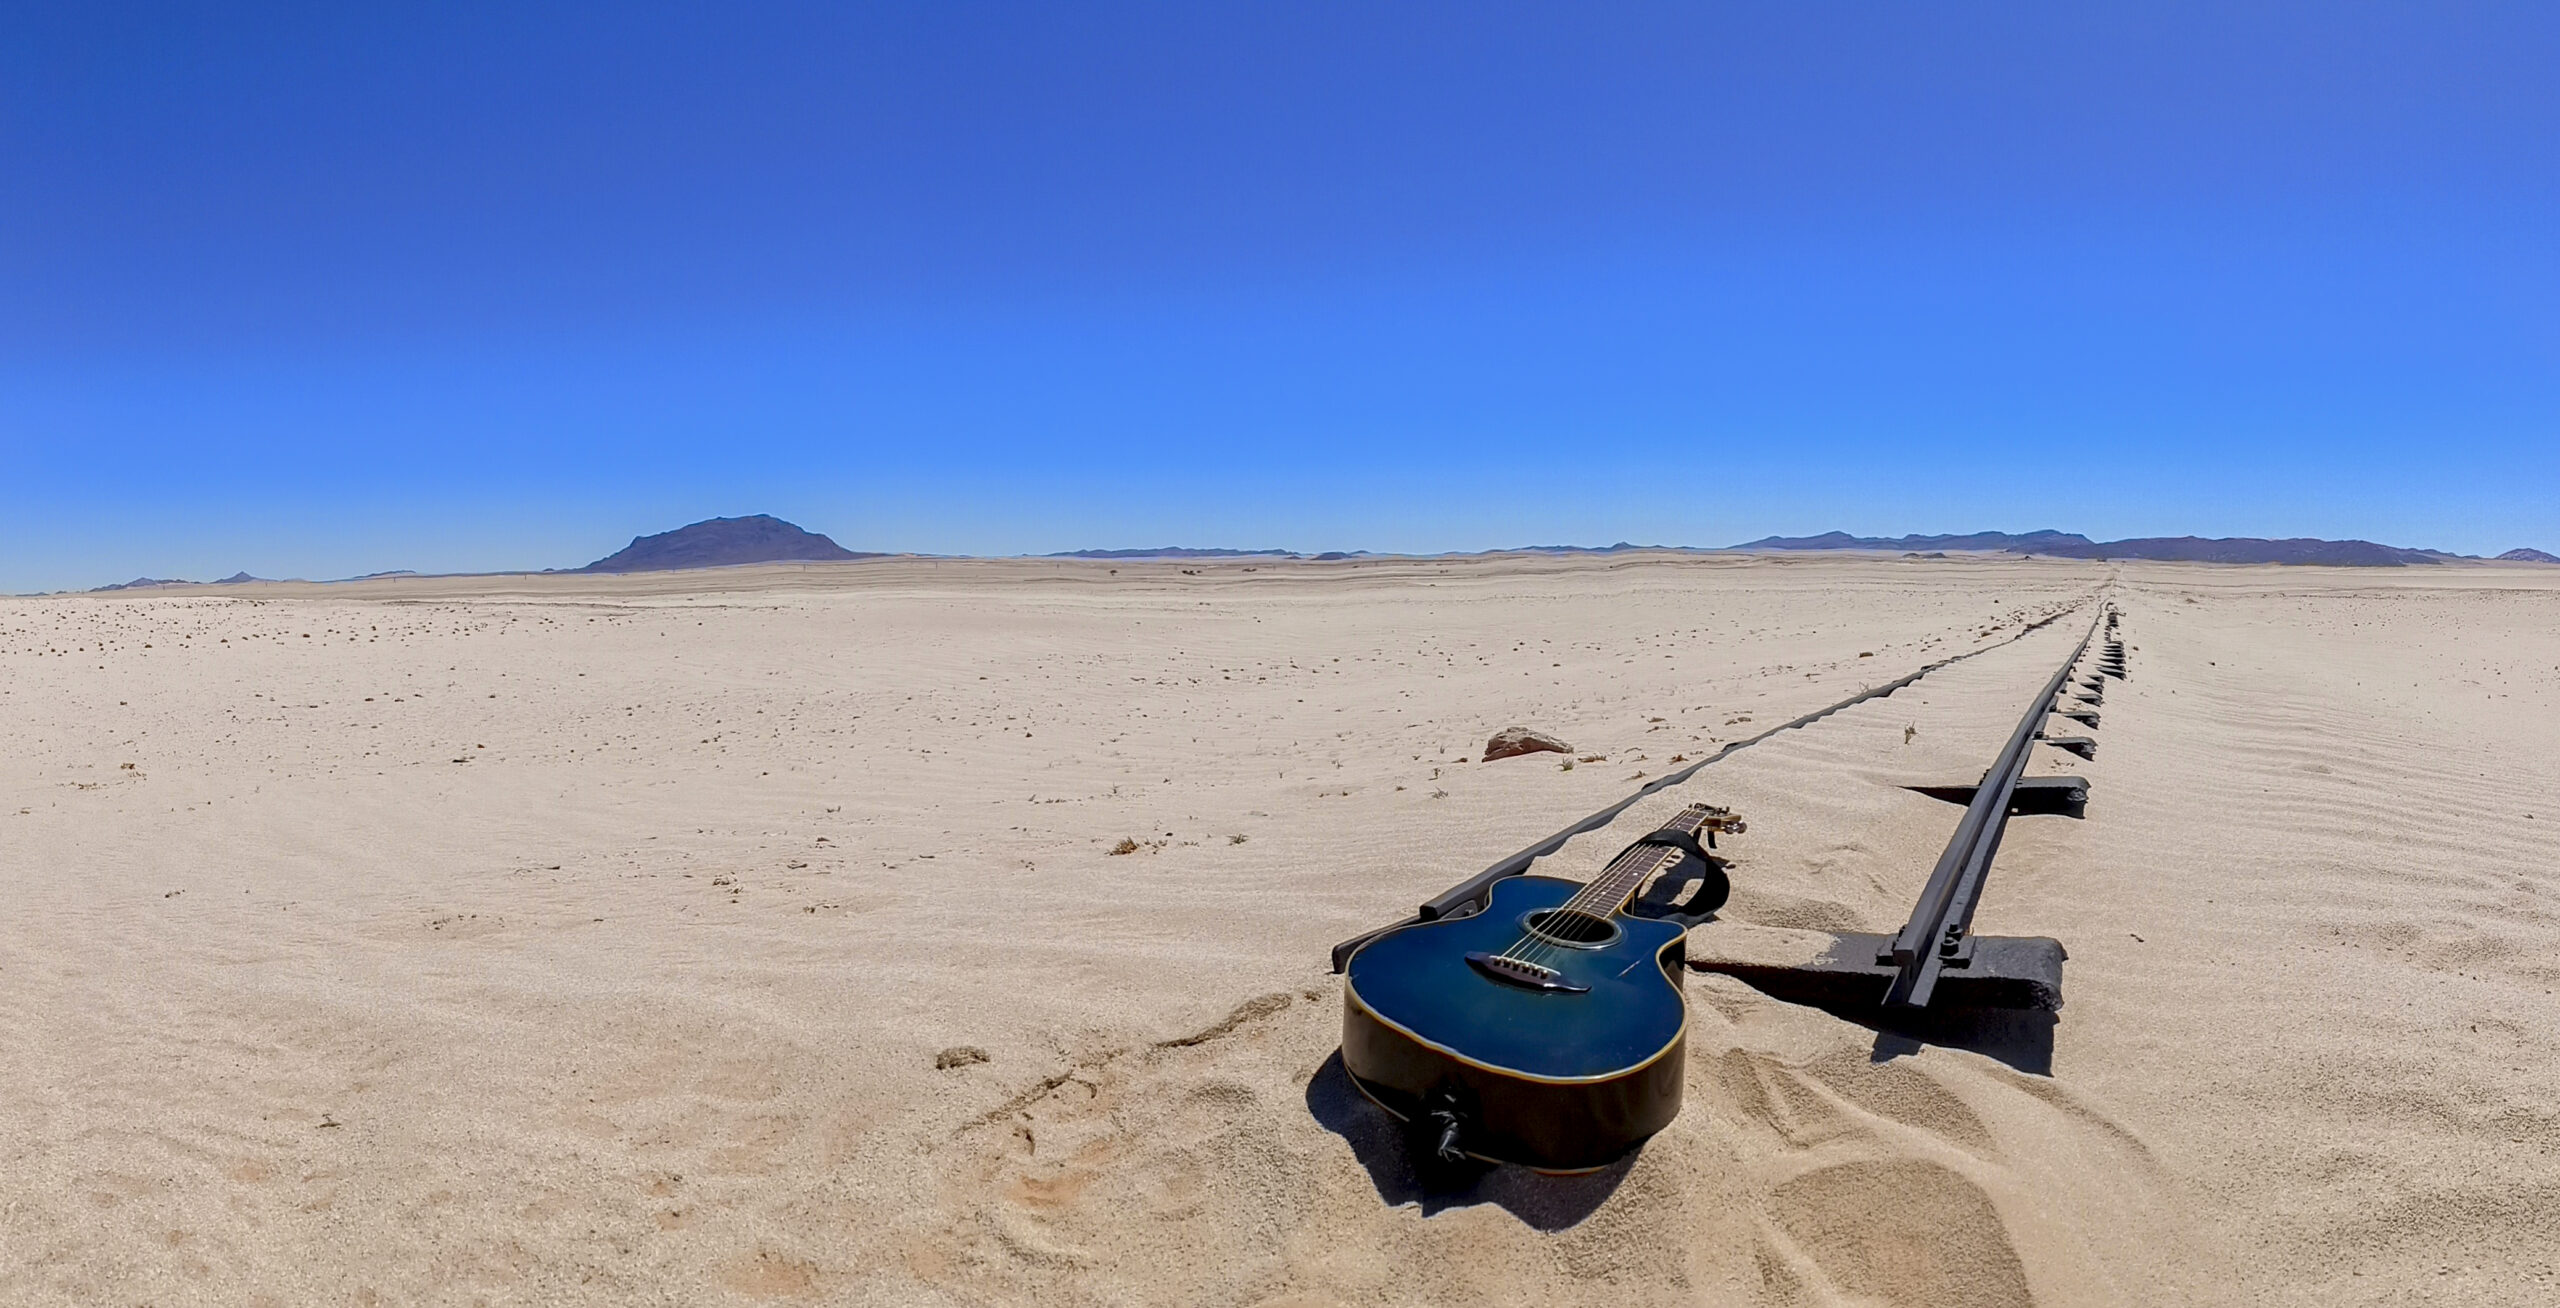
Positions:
(1523, 973)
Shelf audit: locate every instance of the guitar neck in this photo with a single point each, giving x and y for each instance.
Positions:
(1628, 872)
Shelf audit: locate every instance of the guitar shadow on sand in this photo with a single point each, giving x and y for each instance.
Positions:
(1406, 1173)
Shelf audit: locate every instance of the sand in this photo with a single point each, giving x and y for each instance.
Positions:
(755, 935)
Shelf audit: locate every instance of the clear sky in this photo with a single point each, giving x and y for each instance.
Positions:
(324, 289)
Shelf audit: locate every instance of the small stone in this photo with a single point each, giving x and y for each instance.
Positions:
(958, 1056)
(1511, 742)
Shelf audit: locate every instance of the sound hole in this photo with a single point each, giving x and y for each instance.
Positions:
(1568, 927)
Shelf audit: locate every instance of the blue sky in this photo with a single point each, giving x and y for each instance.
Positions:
(325, 289)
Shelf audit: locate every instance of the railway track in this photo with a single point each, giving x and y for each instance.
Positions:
(1939, 934)
(1935, 958)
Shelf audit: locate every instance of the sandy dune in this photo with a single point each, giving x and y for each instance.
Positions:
(757, 936)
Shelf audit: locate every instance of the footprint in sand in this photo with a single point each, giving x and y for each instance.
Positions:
(1903, 1231)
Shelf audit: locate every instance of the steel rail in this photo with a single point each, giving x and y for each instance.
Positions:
(1941, 922)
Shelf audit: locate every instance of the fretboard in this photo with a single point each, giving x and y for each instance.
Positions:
(1627, 873)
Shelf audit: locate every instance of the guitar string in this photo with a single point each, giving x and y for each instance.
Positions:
(1597, 901)
(1536, 948)
(1533, 947)
(1689, 821)
(1586, 902)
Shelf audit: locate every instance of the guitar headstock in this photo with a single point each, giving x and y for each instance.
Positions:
(1702, 819)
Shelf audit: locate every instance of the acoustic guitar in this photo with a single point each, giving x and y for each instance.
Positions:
(1545, 1029)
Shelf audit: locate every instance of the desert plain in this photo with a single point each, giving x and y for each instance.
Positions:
(955, 932)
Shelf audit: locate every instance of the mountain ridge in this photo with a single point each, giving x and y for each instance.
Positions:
(1174, 552)
(150, 583)
(2297, 551)
(724, 542)
(2032, 542)
(763, 538)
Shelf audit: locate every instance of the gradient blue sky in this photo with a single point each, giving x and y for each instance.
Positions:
(317, 290)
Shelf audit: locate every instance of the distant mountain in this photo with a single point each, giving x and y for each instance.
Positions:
(1620, 548)
(2033, 542)
(721, 542)
(1174, 552)
(2251, 549)
(1330, 556)
(2529, 556)
(2071, 545)
(148, 583)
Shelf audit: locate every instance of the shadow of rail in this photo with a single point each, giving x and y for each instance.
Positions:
(2021, 1038)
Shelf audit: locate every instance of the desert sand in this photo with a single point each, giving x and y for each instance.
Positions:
(757, 935)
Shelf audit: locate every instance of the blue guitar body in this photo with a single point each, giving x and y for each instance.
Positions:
(1560, 1055)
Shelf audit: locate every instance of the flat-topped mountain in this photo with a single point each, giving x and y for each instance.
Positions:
(722, 542)
(2072, 545)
